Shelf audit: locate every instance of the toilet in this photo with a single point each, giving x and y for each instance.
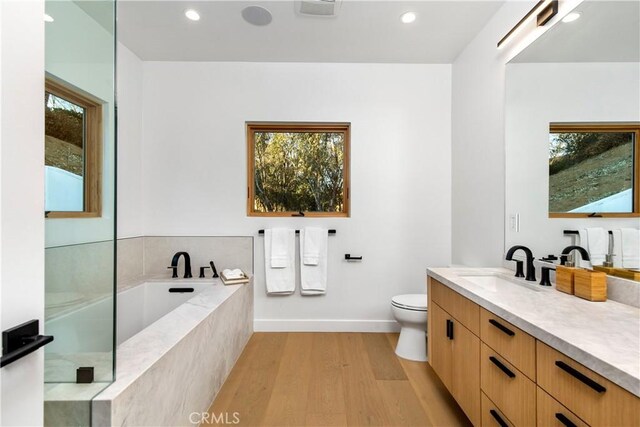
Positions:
(410, 311)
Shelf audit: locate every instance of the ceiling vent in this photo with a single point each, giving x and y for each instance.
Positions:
(321, 8)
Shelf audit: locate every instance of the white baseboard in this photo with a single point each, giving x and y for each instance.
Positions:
(324, 325)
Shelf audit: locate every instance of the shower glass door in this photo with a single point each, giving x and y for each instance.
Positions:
(80, 208)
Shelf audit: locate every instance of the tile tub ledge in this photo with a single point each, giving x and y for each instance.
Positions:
(603, 336)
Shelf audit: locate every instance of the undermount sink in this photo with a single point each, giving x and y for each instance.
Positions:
(491, 282)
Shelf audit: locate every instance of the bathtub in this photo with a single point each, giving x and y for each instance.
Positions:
(140, 306)
(175, 350)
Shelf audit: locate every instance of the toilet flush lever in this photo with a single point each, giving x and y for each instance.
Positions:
(348, 257)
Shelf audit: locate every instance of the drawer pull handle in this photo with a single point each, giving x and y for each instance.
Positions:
(503, 368)
(564, 420)
(580, 376)
(446, 331)
(450, 329)
(502, 327)
(498, 418)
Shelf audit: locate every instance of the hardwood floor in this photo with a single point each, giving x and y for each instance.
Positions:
(331, 379)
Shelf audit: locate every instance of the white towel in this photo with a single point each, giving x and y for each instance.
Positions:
(313, 277)
(233, 274)
(314, 240)
(280, 280)
(630, 248)
(617, 251)
(280, 248)
(584, 242)
(598, 245)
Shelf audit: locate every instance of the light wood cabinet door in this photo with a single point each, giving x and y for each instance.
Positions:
(465, 374)
(593, 398)
(552, 413)
(439, 344)
(507, 387)
(515, 345)
(462, 309)
(492, 416)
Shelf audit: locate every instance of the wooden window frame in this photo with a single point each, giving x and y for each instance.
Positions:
(630, 127)
(92, 176)
(253, 127)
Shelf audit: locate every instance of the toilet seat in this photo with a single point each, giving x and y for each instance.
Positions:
(414, 302)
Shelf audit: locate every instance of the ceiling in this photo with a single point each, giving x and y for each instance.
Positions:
(607, 31)
(363, 31)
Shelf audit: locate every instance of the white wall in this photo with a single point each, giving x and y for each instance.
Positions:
(478, 142)
(21, 201)
(194, 163)
(536, 95)
(129, 99)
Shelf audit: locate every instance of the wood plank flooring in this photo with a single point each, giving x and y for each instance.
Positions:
(332, 379)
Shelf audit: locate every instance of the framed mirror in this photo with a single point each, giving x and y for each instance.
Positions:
(572, 114)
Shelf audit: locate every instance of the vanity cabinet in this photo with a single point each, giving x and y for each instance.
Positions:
(454, 350)
(596, 400)
(502, 376)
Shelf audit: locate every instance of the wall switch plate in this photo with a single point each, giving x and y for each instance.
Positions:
(514, 222)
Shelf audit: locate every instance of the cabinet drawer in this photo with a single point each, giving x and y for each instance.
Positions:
(491, 414)
(551, 413)
(508, 388)
(462, 309)
(594, 399)
(518, 347)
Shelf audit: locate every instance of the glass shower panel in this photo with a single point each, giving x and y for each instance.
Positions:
(80, 177)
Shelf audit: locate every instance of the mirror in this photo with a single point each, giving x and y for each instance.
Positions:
(572, 114)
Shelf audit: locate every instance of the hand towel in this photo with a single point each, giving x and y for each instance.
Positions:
(584, 242)
(313, 277)
(314, 240)
(617, 245)
(279, 248)
(598, 244)
(280, 280)
(630, 247)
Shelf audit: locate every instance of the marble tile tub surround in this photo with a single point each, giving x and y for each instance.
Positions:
(140, 258)
(178, 364)
(603, 336)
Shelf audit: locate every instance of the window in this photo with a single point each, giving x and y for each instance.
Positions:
(73, 144)
(594, 169)
(297, 169)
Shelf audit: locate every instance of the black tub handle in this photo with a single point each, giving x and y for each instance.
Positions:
(498, 418)
(564, 420)
(180, 290)
(501, 366)
(580, 376)
(502, 327)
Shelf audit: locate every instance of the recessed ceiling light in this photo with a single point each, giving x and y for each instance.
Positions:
(570, 17)
(256, 15)
(408, 17)
(192, 14)
(48, 18)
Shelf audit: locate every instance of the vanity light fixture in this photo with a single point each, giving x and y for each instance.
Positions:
(408, 17)
(48, 18)
(543, 11)
(571, 17)
(192, 14)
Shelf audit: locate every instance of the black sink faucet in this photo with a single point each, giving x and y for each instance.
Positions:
(566, 251)
(187, 264)
(531, 270)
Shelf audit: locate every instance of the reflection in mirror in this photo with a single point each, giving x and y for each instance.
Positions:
(559, 173)
(591, 168)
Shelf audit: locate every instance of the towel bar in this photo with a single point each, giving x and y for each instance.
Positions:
(331, 232)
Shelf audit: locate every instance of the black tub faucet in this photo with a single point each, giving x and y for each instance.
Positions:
(531, 270)
(564, 257)
(187, 264)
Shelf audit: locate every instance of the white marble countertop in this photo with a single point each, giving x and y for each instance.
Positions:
(603, 336)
